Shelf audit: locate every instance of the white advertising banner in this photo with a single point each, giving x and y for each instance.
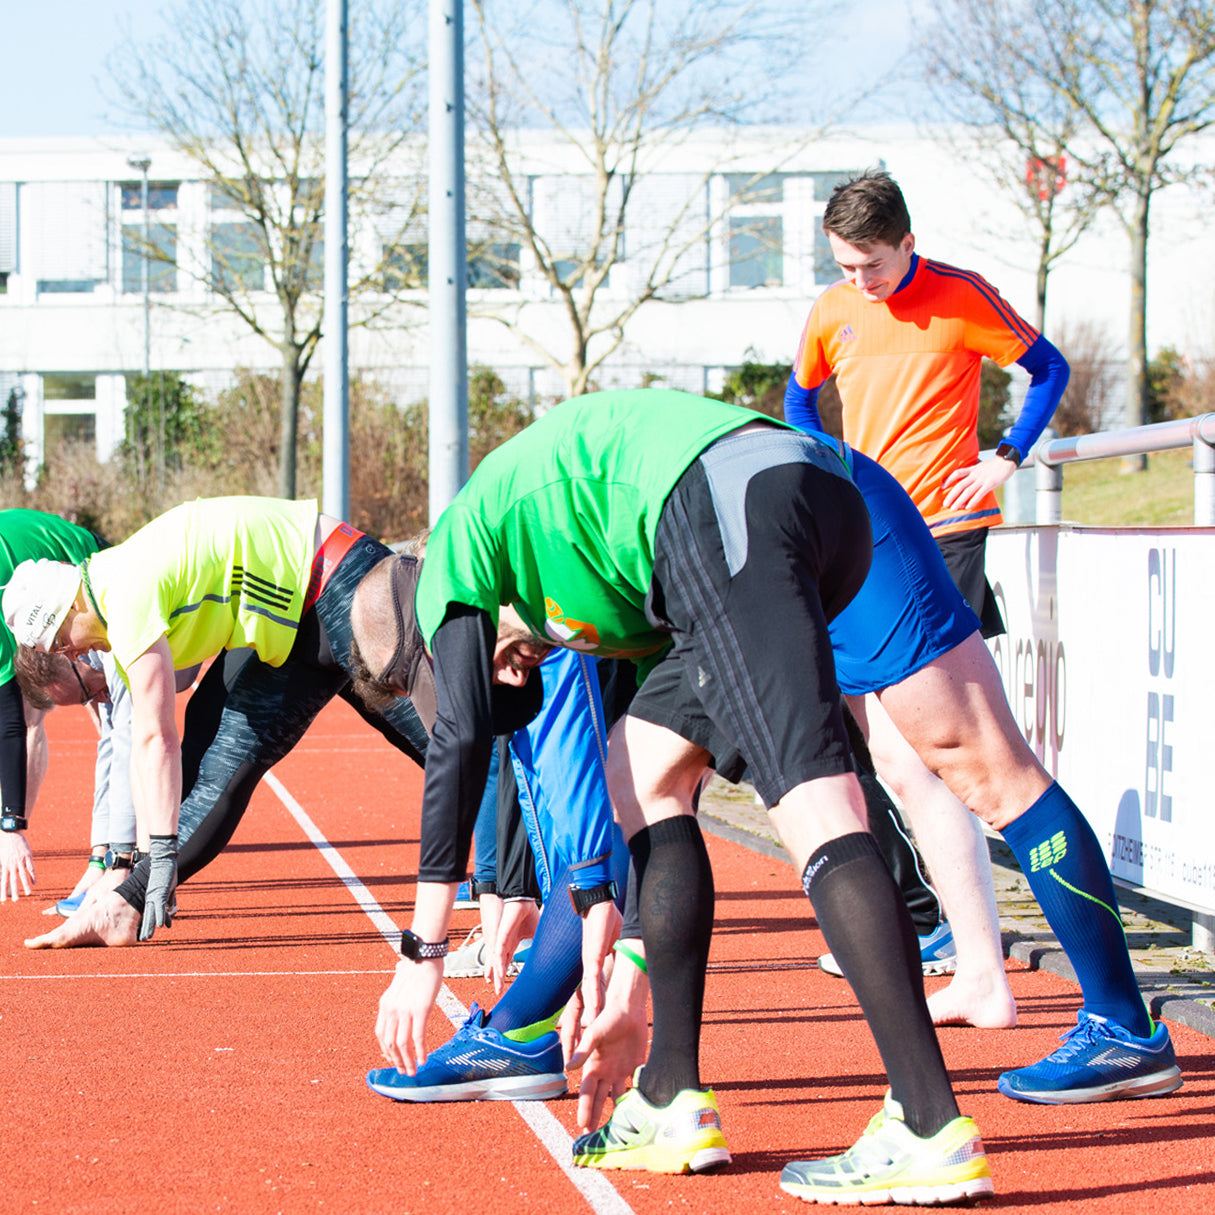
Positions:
(1109, 666)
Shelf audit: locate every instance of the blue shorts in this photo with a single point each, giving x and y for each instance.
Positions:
(908, 611)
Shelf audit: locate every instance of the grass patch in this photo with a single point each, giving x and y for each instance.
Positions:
(1098, 493)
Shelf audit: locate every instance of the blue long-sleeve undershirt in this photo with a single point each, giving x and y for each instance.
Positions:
(1048, 376)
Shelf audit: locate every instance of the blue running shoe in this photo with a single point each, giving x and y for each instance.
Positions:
(480, 1064)
(938, 954)
(1098, 1061)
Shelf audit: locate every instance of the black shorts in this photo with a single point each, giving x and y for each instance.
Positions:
(763, 540)
(965, 556)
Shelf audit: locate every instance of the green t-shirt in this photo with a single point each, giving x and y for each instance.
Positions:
(27, 535)
(214, 574)
(560, 521)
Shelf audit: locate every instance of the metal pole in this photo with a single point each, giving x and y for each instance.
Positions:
(1049, 496)
(1204, 482)
(143, 164)
(335, 496)
(447, 257)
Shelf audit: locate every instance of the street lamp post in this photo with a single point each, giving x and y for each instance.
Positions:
(143, 163)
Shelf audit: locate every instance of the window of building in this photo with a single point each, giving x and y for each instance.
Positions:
(824, 183)
(161, 258)
(60, 428)
(162, 195)
(237, 260)
(494, 266)
(69, 386)
(65, 286)
(755, 187)
(756, 251)
(826, 268)
(314, 271)
(406, 267)
(226, 196)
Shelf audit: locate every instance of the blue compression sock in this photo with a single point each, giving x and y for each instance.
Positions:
(553, 968)
(1067, 871)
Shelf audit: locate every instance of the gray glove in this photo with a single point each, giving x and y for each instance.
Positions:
(159, 905)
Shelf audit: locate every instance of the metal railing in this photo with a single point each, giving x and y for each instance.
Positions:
(1045, 504)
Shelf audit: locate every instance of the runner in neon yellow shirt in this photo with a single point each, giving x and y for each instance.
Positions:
(269, 584)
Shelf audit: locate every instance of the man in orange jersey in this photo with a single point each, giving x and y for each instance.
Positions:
(906, 337)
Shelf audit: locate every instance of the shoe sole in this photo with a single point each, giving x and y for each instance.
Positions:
(941, 966)
(1159, 1084)
(540, 1087)
(657, 1160)
(906, 1195)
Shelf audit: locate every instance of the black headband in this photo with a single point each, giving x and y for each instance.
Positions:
(409, 668)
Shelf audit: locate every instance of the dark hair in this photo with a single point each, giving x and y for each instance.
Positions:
(868, 210)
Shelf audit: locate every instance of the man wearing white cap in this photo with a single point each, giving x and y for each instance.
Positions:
(273, 580)
(25, 535)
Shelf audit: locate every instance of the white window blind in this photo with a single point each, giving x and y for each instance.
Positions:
(65, 227)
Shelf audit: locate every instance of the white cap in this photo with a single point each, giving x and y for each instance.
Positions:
(37, 599)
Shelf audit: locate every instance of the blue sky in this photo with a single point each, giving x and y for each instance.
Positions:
(50, 84)
(54, 71)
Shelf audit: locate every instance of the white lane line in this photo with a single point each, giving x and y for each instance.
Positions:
(593, 1186)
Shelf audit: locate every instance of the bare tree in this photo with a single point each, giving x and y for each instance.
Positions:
(236, 86)
(1139, 76)
(622, 84)
(1007, 122)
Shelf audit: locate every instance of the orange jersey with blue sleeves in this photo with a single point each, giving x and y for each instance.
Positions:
(908, 370)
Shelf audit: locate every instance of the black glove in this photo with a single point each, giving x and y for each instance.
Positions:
(159, 904)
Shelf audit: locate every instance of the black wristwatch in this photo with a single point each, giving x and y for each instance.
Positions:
(584, 900)
(123, 860)
(417, 950)
(1006, 451)
(13, 822)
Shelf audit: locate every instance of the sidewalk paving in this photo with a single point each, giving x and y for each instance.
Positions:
(1177, 980)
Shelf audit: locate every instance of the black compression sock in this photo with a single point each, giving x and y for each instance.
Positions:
(675, 902)
(870, 933)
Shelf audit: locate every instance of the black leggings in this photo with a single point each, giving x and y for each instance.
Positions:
(245, 716)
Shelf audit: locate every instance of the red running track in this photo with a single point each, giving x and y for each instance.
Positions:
(220, 1067)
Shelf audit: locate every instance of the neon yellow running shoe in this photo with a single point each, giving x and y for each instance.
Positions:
(683, 1137)
(890, 1164)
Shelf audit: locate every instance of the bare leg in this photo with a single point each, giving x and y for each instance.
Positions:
(954, 715)
(953, 845)
(108, 920)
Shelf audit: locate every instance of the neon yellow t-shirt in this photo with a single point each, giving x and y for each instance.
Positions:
(214, 574)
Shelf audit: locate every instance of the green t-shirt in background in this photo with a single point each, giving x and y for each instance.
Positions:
(28, 535)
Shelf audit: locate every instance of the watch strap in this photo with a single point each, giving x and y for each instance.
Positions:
(417, 950)
(584, 900)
